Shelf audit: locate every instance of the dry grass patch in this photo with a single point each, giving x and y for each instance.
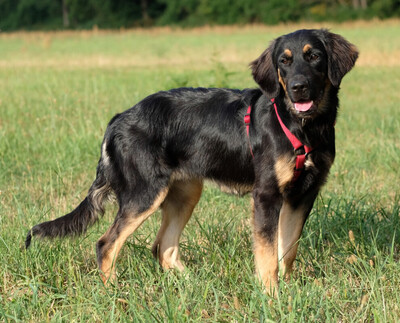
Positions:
(379, 45)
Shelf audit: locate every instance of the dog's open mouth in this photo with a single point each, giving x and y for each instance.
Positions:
(303, 106)
(308, 107)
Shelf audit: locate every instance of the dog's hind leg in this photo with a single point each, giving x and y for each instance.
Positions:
(126, 222)
(176, 211)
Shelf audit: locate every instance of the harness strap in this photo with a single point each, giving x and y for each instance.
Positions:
(247, 121)
(296, 143)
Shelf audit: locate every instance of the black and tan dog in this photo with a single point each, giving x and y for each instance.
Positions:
(159, 152)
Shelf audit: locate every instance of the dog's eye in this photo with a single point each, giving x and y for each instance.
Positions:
(284, 61)
(313, 57)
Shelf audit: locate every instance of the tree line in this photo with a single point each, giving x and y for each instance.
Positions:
(85, 14)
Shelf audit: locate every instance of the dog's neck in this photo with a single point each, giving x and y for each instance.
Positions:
(308, 129)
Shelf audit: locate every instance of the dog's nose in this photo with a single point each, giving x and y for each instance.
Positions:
(299, 85)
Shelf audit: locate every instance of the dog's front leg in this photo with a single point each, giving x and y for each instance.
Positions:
(291, 222)
(266, 218)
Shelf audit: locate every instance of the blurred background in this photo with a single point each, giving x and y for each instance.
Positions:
(78, 14)
(68, 66)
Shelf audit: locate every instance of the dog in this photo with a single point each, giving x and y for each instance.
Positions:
(276, 142)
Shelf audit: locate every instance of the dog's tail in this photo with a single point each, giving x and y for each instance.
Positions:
(85, 215)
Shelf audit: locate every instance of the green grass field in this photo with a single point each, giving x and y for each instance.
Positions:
(57, 94)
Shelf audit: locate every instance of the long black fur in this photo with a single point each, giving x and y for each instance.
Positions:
(200, 133)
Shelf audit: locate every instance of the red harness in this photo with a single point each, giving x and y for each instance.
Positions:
(296, 143)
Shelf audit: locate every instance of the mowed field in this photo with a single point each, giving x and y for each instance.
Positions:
(58, 91)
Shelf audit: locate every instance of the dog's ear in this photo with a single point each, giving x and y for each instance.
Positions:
(265, 73)
(342, 56)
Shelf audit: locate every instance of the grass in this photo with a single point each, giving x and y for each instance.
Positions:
(57, 93)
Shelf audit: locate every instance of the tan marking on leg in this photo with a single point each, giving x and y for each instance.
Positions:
(284, 170)
(306, 48)
(288, 52)
(266, 261)
(117, 239)
(281, 80)
(290, 226)
(176, 210)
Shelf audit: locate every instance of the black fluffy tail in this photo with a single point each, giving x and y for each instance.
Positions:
(76, 222)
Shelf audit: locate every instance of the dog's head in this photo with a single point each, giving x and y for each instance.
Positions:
(304, 66)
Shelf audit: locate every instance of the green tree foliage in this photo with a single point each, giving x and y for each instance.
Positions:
(386, 8)
(29, 13)
(58, 14)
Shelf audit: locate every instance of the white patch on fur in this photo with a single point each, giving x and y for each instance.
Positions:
(309, 163)
(104, 155)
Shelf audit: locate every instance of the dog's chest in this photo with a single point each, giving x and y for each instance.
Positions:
(285, 170)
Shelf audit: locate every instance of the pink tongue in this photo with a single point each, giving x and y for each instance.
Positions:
(303, 106)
